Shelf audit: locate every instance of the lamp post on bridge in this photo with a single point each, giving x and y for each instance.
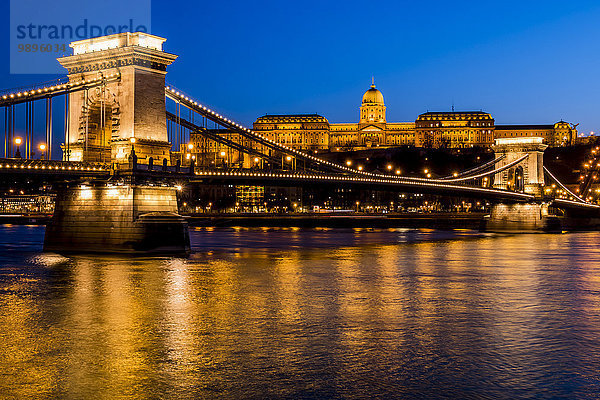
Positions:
(43, 151)
(189, 157)
(290, 160)
(18, 142)
(133, 156)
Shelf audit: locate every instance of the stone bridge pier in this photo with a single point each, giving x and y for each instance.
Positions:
(131, 219)
(526, 177)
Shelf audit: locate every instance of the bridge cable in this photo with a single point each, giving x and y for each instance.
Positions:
(563, 187)
(220, 139)
(475, 169)
(58, 90)
(497, 170)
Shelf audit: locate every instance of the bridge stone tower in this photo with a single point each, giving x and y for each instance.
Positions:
(527, 176)
(102, 120)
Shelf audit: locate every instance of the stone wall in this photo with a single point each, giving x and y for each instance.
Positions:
(130, 219)
(520, 218)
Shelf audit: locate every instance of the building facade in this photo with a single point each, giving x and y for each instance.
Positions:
(298, 131)
(372, 129)
(454, 129)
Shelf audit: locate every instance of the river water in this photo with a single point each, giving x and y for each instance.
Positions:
(288, 313)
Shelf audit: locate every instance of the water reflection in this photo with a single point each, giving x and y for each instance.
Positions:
(497, 317)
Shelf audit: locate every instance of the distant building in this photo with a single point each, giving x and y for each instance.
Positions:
(372, 129)
(453, 129)
(27, 204)
(298, 131)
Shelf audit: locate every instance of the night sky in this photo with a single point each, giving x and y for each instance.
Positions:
(524, 62)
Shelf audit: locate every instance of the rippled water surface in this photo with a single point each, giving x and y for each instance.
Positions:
(285, 313)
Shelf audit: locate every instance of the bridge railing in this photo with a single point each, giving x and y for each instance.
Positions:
(20, 163)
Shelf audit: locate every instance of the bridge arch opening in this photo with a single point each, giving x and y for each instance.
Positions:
(98, 125)
(519, 179)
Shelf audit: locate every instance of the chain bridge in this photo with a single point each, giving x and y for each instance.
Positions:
(123, 154)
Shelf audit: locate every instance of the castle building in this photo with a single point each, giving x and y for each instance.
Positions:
(298, 131)
(454, 129)
(372, 129)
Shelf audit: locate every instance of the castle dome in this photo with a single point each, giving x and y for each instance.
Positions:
(372, 96)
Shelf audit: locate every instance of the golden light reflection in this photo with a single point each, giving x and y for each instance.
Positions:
(113, 327)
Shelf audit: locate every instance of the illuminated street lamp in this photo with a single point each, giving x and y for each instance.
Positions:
(189, 155)
(360, 167)
(398, 172)
(42, 149)
(349, 162)
(18, 142)
(291, 162)
(389, 167)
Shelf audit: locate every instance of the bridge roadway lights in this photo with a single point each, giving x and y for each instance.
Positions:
(131, 219)
(521, 218)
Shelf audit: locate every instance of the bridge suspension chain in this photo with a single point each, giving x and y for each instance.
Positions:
(495, 171)
(475, 169)
(563, 187)
(227, 142)
(56, 90)
(438, 187)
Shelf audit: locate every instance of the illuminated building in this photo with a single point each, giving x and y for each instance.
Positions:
(207, 152)
(452, 129)
(298, 131)
(372, 129)
(27, 204)
(249, 198)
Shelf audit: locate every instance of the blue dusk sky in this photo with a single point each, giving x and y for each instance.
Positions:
(522, 61)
